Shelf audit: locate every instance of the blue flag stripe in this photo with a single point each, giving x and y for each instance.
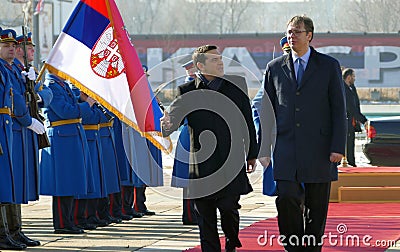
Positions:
(86, 25)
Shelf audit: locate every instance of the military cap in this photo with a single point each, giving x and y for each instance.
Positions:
(188, 65)
(8, 35)
(20, 39)
(285, 45)
(145, 69)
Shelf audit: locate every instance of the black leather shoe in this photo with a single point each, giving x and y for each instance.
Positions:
(148, 212)
(189, 223)
(22, 238)
(230, 250)
(70, 230)
(111, 219)
(96, 221)
(124, 217)
(87, 226)
(135, 214)
(9, 243)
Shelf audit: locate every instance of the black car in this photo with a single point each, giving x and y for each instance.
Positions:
(383, 141)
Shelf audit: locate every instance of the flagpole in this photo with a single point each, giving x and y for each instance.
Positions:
(36, 41)
(110, 16)
(41, 72)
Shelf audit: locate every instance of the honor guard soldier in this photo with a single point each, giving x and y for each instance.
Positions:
(86, 205)
(25, 53)
(181, 160)
(65, 166)
(22, 127)
(149, 169)
(122, 202)
(111, 170)
(285, 45)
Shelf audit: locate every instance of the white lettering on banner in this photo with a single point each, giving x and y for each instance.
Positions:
(334, 49)
(244, 58)
(376, 72)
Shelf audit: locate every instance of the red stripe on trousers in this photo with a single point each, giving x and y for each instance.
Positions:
(189, 211)
(122, 200)
(134, 200)
(76, 212)
(59, 210)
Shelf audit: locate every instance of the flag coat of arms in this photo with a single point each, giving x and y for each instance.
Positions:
(95, 53)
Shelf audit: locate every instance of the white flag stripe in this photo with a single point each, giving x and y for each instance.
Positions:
(77, 65)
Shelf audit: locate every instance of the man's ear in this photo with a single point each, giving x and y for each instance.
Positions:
(309, 36)
(200, 66)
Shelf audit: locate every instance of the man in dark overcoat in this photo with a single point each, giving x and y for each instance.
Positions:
(307, 97)
(222, 145)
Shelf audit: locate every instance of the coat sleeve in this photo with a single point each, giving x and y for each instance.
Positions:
(65, 109)
(251, 145)
(46, 94)
(263, 103)
(176, 112)
(338, 110)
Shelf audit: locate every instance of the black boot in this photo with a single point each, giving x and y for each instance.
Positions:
(21, 237)
(6, 241)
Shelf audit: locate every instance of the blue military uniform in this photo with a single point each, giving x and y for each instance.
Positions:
(31, 191)
(122, 202)
(86, 205)
(259, 104)
(19, 156)
(11, 102)
(180, 174)
(65, 164)
(111, 170)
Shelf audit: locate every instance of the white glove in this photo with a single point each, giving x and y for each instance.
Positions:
(37, 127)
(39, 98)
(31, 74)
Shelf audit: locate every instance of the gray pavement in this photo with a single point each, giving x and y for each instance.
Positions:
(162, 232)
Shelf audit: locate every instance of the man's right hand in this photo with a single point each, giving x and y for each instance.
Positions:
(166, 121)
(264, 161)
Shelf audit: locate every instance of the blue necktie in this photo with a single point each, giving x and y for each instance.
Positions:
(300, 71)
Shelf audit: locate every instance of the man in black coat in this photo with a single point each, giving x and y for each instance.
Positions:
(306, 92)
(223, 145)
(354, 115)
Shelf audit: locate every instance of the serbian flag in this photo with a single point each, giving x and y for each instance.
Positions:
(39, 7)
(95, 53)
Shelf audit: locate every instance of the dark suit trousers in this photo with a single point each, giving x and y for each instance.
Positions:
(302, 210)
(189, 214)
(207, 221)
(350, 148)
(63, 216)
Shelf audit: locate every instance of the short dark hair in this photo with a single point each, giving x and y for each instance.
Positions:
(308, 23)
(199, 55)
(347, 72)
